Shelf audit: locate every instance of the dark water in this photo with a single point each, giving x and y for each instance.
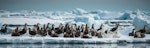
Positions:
(74, 45)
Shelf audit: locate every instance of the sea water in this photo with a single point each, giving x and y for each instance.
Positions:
(137, 45)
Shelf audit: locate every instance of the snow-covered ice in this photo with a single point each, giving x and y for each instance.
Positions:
(48, 39)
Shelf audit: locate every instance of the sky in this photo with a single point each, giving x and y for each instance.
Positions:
(69, 5)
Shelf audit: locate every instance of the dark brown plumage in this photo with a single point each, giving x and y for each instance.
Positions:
(115, 28)
(4, 29)
(53, 33)
(15, 32)
(132, 33)
(32, 32)
(140, 33)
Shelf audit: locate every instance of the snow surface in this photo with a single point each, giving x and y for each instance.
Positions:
(48, 39)
(127, 20)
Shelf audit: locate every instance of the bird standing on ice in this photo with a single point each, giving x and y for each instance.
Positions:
(140, 33)
(113, 32)
(99, 31)
(15, 32)
(92, 30)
